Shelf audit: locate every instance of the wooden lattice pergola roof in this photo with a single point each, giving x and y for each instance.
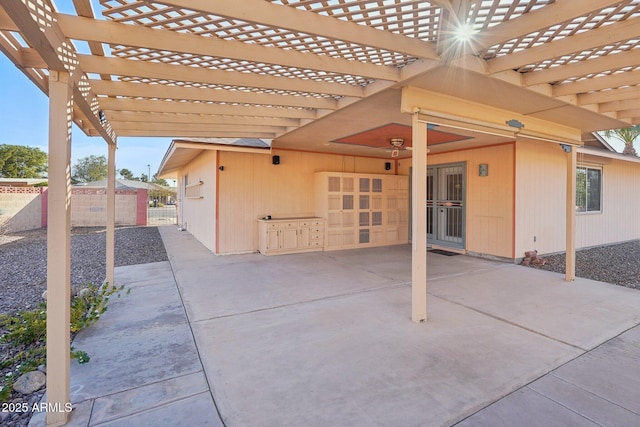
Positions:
(307, 72)
(310, 75)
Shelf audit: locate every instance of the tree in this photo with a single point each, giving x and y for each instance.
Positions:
(17, 161)
(90, 168)
(159, 181)
(627, 136)
(144, 177)
(126, 173)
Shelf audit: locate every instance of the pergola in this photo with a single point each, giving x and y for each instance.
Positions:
(308, 72)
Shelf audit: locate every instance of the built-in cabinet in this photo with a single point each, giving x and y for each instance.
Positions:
(362, 209)
(290, 235)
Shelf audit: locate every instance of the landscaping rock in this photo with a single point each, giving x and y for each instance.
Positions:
(30, 382)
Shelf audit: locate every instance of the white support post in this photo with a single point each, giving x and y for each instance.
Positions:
(570, 267)
(419, 221)
(59, 248)
(111, 214)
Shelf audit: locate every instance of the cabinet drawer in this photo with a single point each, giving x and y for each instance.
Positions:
(317, 222)
(317, 244)
(273, 225)
(317, 236)
(317, 230)
(287, 224)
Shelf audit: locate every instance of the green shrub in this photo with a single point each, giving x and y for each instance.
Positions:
(25, 327)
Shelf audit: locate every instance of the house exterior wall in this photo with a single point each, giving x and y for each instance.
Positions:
(541, 195)
(251, 187)
(519, 206)
(618, 220)
(489, 199)
(198, 214)
(541, 185)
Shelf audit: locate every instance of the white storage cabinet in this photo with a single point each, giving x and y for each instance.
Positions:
(362, 209)
(290, 235)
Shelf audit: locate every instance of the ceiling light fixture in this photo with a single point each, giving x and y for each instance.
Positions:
(396, 142)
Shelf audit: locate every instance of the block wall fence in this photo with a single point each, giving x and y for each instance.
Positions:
(25, 208)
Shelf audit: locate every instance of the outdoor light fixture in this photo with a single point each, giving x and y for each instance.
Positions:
(566, 148)
(220, 168)
(387, 166)
(515, 123)
(275, 160)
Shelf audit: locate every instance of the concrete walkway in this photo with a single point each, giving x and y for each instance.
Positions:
(144, 369)
(325, 338)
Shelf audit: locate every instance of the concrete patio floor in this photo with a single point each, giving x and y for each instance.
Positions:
(325, 338)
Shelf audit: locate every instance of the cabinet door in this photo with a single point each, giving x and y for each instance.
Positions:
(305, 238)
(273, 241)
(289, 239)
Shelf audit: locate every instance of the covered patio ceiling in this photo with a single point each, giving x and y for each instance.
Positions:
(310, 73)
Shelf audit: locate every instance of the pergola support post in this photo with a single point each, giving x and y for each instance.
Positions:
(111, 214)
(419, 221)
(570, 267)
(59, 248)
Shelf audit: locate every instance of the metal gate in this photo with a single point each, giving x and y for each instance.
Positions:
(446, 191)
(161, 215)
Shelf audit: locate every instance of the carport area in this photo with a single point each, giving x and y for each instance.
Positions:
(325, 339)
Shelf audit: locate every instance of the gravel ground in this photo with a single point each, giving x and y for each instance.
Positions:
(23, 261)
(23, 257)
(618, 264)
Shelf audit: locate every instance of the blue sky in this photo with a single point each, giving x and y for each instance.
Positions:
(24, 121)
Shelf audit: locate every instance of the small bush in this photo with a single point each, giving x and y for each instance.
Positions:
(26, 327)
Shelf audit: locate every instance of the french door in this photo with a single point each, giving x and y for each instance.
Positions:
(446, 193)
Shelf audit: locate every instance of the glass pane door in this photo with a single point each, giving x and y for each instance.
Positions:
(445, 205)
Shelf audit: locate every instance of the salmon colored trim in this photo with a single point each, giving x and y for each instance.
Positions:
(217, 215)
(513, 201)
(141, 206)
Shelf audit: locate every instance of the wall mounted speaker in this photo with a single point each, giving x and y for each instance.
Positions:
(275, 160)
(387, 166)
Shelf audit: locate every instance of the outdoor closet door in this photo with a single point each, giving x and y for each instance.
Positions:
(445, 205)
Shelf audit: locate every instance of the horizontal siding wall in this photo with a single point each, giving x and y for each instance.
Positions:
(618, 220)
(489, 208)
(541, 184)
(540, 206)
(251, 187)
(199, 214)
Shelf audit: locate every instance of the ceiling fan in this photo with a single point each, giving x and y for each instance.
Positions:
(397, 145)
